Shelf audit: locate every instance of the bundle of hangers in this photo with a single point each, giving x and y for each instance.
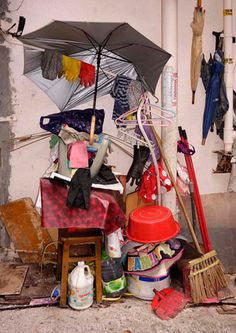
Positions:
(145, 117)
(152, 115)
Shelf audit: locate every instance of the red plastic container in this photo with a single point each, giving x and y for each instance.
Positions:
(152, 224)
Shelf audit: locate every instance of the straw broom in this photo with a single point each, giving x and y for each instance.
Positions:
(206, 273)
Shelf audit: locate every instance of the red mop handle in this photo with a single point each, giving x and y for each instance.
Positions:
(197, 198)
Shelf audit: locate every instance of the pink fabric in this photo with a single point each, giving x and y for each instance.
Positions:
(78, 155)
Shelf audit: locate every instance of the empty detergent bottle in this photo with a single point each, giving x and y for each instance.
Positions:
(80, 287)
(113, 278)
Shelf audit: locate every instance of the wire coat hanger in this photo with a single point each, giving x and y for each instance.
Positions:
(152, 115)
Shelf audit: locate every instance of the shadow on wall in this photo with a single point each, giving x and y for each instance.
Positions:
(220, 212)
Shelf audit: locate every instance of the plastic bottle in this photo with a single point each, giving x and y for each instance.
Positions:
(80, 287)
(113, 278)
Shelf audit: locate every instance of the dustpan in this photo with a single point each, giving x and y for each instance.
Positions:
(168, 302)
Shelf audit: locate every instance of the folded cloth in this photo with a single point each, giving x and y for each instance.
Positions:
(77, 155)
(51, 64)
(71, 68)
(70, 135)
(87, 74)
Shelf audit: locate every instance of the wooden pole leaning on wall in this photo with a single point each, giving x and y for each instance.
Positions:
(189, 224)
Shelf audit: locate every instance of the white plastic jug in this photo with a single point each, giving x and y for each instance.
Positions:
(80, 287)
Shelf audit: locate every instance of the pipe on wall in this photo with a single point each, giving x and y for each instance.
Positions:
(229, 134)
(169, 12)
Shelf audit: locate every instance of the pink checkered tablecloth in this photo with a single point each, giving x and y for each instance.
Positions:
(104, 212)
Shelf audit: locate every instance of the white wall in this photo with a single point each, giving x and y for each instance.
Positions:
(29, 163)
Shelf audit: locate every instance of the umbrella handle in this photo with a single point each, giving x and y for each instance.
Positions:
(199, 3)
(92, 129)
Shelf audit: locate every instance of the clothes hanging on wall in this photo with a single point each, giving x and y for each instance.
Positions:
(148, 187)
(127, 93)
(55, 65)
(71, 68)
(87, 74)
(119, 93)
(51, 64)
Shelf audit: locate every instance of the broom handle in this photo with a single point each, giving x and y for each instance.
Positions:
(189, 224)
(197, 197)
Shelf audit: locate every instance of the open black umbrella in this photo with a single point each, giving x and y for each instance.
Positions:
(115, 48)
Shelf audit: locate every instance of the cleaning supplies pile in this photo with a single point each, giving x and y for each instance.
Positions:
(206, 273)
(151, 250)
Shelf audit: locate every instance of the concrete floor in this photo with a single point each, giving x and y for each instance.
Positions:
(130, 315)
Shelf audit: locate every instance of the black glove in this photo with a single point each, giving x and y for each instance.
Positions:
(135, 172)
(79, 191)
(105, 176)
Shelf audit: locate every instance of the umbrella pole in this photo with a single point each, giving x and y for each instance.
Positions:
(93, 119)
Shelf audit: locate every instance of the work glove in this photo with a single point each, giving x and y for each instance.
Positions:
(141, 155)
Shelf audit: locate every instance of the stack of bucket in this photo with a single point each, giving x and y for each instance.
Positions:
(151, 251)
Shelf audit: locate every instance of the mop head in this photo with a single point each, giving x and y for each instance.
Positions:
(206, 277)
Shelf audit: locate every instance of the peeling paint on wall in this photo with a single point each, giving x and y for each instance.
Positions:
(3, 15)
(5, 129)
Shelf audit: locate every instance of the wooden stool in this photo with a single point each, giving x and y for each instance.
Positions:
(88, 243)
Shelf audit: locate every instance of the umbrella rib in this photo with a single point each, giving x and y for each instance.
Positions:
(83, 49)
(69, 99)
(148, 47)
(90, 38)
(105, 41)
(120, 59)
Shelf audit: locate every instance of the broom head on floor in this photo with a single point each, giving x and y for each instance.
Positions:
(206, 277)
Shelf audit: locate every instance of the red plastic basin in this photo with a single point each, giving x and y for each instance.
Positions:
(152, 224)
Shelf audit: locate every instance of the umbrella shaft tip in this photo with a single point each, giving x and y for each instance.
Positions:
(193, 97)
(203, 142)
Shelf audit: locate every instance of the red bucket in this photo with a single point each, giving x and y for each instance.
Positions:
(152, 224)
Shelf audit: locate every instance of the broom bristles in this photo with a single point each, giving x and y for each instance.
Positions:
(206, 277)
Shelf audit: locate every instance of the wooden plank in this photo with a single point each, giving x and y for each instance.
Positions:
(37, 284)
(12, 278)
(133, 201)
(23, 224)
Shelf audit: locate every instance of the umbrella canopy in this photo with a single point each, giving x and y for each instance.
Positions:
(114, 48)
(197, 26)
(212, 97)
(205, 72)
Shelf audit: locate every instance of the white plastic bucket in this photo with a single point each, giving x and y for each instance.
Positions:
(80, 287)
(142, 286)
